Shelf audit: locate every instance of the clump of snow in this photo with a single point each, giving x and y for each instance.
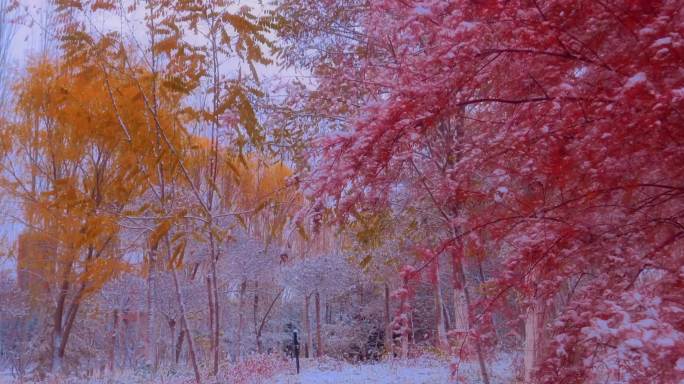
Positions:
(500, 193)
(634, 343)
(680, 364)
(646, 31)
(422, 10)
(679, 92)
(662, 41)
(466, 26)
(635, 80)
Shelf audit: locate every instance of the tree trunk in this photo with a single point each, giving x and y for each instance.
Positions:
(112, 341)
(179, 344)
(404, 344)
(216, 330)
(447, 319)
(533, 338)
(241, 320)
(58, 332)
(172, 341)
(56, 361)
(210, 303)
(126, 357)
(328, 311)
(56, 364)
(256, 315)
(186, 327)
(461, 323)
(319, 341)
(440, 332)
(258, 340)
(307, 328)
(149, 334)
(265, 319)
(403, 323)
(63, 326)
(68, 325)
(388, 327)
(412, 339)
(478, 346)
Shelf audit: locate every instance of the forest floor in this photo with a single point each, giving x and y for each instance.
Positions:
(414, 371)
(381, 373)
(423, 370)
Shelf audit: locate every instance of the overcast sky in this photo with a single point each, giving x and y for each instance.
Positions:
(27, 38)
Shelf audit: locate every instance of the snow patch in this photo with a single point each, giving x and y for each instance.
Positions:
(646, 31)
(500, 193)
(466, 26)
(665, 341)
(662, 41)
(680, 364)
(422, 370)
(634, 343)
(422, 10)
(635, 80)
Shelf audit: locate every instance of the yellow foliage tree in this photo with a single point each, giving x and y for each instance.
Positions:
(75, 169)
(263, 188)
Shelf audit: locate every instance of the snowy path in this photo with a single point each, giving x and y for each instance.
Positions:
(420, 371)
(328, 371)
(376, 373)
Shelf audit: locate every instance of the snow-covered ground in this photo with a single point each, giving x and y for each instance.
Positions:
(418, 371)
(425, 370)
(376, 373)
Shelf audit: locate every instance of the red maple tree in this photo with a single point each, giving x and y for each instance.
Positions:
(564, 151)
